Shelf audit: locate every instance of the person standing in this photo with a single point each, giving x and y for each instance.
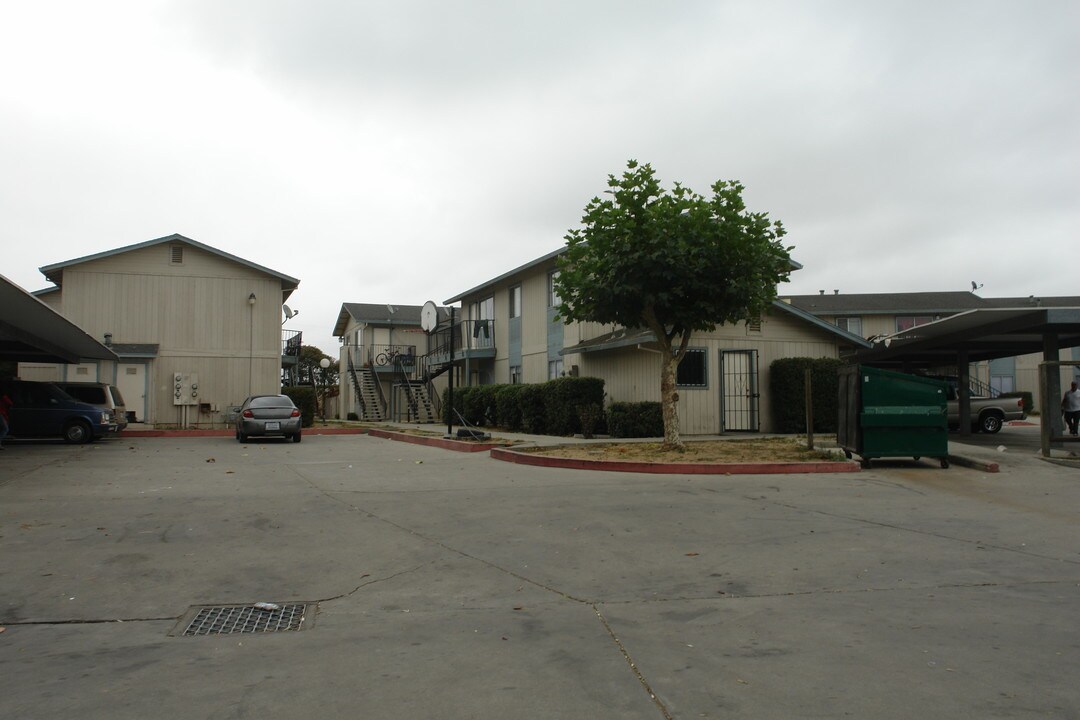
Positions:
(1070, 408)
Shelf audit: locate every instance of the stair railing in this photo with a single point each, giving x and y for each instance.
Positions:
(356, 383)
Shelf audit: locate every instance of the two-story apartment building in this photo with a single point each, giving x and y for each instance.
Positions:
(383, 375)
(511, 334)
(877, 315)
(177, 313)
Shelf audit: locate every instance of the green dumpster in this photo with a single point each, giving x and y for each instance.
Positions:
(890, 414)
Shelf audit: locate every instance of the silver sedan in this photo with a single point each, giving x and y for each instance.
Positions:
(268, 415)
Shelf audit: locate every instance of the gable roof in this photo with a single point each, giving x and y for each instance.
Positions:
(531, 264)
(55, 271)
(625, 337)
(915, 303)
(886, 303)
(384, 314)
(507, 275)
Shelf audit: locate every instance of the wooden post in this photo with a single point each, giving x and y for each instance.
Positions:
(809, 410)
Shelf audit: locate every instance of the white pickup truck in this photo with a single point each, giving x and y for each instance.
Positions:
(987, 414)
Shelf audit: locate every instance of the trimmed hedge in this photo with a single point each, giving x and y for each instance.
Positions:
(549, 408)
(635, 419)
(788, 391)
(508, 407)
(304, 397)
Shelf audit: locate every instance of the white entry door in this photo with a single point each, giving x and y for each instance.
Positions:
(131, 379)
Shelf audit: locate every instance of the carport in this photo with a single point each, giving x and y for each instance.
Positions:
(31, 331)
(987, 334)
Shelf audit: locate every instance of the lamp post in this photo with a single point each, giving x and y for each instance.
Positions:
(324, 364)
(251, 341)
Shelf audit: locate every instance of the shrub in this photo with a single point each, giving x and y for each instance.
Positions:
(304, 397)
(635, 419)
(474, 405)
(590, 416)
(564, 397)
(508, 407)
(533, 414)
(787, 387)
(352, 416)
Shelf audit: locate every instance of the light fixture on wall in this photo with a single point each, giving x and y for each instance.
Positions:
(251, 299)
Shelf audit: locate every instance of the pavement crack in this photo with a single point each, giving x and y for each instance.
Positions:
(373, 581)
(630, 661)
(523, 578)
(88, 621)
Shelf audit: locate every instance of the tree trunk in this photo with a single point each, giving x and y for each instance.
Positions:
(669, 400)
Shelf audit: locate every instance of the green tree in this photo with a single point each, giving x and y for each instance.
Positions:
(672, 261)
(309, 371)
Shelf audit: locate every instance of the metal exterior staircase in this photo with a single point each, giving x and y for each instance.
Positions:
(418, 400)
(367, 393)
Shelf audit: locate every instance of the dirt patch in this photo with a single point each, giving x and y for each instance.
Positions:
(761, 450)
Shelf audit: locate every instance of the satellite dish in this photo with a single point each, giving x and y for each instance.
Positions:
(429, 317)
(288, 312)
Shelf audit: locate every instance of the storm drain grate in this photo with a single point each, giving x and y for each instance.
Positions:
(261, 618)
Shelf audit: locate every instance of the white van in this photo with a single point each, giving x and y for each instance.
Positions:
(100, 394)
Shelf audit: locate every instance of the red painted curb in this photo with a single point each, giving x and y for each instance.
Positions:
(230, 433)
(782, 468)
(456, 445)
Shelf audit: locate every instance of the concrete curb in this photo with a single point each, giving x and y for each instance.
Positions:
(779, 468)
(230, 433)
(990, 467)
(444, 443)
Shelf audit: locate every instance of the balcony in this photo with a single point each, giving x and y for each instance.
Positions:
(472, 339)
(291, 340)
(391, 358)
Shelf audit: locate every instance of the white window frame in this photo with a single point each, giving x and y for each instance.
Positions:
(846, 322)
(555, 369)
(704, 369)
(515, 301)
(553, 299)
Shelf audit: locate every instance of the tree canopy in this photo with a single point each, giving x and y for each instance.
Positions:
(672, 261)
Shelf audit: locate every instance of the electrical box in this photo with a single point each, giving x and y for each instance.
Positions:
(186, 389)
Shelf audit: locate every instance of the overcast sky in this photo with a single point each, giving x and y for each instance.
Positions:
(406, 151)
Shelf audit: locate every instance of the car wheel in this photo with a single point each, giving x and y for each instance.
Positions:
(76, 432)
(241, 436)
(990, 423)
(296, 437)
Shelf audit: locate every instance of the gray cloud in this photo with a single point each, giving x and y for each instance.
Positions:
(906, 146)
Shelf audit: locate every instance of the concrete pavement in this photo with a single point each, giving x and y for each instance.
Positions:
(450, 585)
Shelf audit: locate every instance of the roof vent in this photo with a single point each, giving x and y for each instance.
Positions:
(176, 254)
(821, 292)
(835, 292)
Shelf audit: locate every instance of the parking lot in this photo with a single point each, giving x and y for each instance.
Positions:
(450, 585)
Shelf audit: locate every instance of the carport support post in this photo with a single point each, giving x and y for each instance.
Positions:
(963, 372)
(1051, 423)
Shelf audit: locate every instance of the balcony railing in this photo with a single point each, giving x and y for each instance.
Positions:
(390, 357)
(291, 340)
(476, 334)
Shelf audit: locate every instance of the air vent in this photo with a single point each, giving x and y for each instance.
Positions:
(753, 324)
(176, 254)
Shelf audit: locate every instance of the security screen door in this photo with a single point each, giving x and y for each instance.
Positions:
(739, 390)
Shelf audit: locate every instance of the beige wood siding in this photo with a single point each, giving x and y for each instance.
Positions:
(197, 313)
(155, 260)
(634, 374)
